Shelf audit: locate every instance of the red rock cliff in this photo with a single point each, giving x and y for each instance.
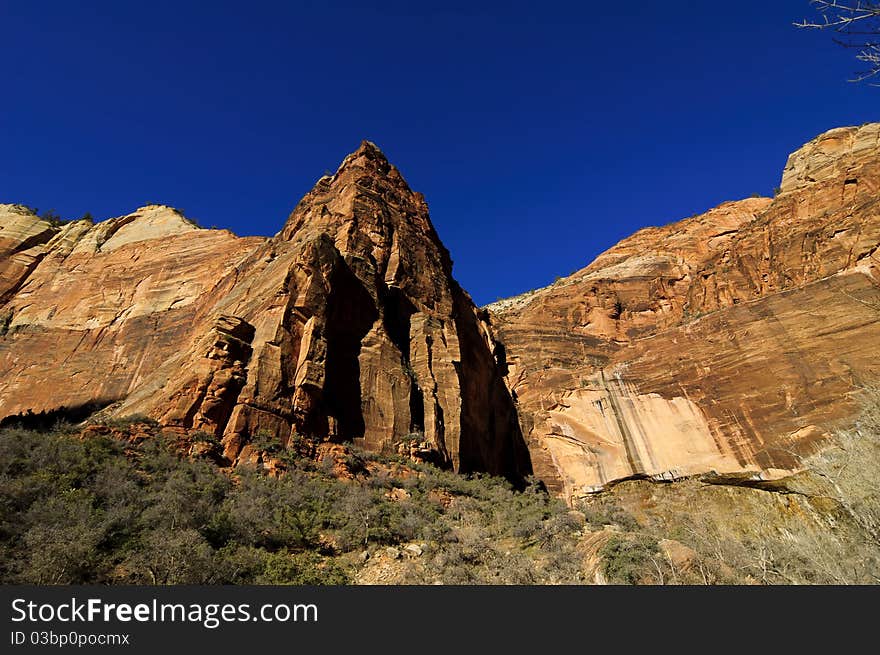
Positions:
(726, 342)
(730, 341)
(347, 325)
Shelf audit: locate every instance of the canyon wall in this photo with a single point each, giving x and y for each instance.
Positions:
(346, 326)
(729, 342)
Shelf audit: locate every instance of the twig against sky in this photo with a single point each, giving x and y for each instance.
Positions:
(858, 21)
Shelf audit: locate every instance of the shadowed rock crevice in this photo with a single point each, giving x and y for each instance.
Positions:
(397, 311)
(49, 419)
(350, 315)
(491, 438)
(416, 408)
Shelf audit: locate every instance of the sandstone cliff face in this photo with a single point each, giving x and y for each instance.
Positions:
(726, 342)
(347, 325)
(92, 310)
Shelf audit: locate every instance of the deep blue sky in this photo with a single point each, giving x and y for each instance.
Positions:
(541, 133)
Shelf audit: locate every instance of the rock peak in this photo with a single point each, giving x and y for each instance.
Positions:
(369, 146)
(15, 208)
(153, 206)
(156, 214)
(367, 157)
(365, 183)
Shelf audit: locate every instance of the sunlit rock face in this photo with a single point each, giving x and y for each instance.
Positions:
(347, 325)
(729, 341)
(89, 312)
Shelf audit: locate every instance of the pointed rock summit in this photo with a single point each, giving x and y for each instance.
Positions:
(345, 326)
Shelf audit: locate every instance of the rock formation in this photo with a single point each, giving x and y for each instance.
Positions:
(727, 342)
(347, 325)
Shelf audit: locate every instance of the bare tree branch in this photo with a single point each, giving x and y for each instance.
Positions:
(855, 20)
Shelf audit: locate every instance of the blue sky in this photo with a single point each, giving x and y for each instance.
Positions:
(540, 133)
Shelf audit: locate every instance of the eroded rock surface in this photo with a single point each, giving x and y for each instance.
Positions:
(347, 325)
(727, 342)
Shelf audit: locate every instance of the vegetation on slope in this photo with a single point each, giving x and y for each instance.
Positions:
(122, 503)
(128, 508)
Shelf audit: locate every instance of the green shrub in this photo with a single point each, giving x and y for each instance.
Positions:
(99, 511)
(125, 422)
(284, 568)
(265, 442)
(626, 559)
(53, 218)
(604, 510)
(200, 436)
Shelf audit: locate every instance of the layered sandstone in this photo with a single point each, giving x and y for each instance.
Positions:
(103, 306)
(729, 342)
(347, 325)
(726, 342)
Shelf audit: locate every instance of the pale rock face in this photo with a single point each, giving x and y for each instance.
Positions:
(609, 431)
(22, 234)
(831, 155)
(21, 229)
(727, 342)
(146, 224)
